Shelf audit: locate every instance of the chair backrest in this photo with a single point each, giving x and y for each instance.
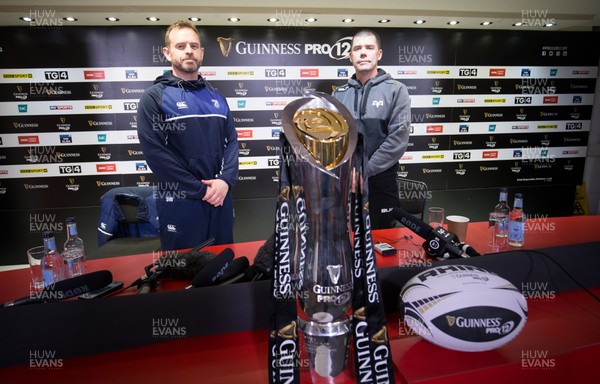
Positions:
(127, 212)
(413, 196)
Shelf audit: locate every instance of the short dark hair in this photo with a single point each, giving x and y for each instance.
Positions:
(368, 32)
(180, 25)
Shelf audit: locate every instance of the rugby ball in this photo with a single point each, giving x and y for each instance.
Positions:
(463, 307)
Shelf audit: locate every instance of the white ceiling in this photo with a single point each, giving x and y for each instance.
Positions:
(571, 15)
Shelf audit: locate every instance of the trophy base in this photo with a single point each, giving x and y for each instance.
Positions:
(326, 346)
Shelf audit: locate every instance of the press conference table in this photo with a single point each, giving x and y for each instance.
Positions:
(560, 342)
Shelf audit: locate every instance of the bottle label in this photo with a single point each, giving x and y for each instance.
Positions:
(516, 230)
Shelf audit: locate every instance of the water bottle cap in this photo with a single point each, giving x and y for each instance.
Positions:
(70, 220)
(47, 234)
(518, 195)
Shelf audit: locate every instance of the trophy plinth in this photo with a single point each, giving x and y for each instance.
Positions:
(326, 346)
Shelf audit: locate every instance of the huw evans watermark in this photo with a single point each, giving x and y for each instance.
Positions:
(43, 359)
(168, 328)
(537, 359)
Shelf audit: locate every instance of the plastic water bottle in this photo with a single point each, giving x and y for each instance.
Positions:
(73, 253)
(502, 209)
(516, 223)
(52, 261)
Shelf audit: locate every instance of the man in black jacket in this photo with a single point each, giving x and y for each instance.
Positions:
(380, 106)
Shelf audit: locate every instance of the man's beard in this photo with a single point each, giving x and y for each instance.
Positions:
(187, 68)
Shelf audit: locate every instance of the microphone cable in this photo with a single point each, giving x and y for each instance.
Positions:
(563, 269)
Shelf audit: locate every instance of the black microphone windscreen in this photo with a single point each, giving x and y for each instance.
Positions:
(78, 285)
(214, 269)
(236, 268)
(186, 265)
(411, 222)
(263, 261)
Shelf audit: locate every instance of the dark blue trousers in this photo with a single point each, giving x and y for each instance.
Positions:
(185, 223)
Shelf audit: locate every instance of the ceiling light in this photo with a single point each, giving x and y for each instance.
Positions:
(111, 19)
(420, 21)
(453, 22)
(194, 19)
(234, 19)
(347, 20)
(518, 24)
(310, 20)
(486, 23)
(71, 19)
(152, 18)
(27, 19)
(272, 19)
(383, 21)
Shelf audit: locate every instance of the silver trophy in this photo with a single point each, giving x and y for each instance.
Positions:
(322, 138)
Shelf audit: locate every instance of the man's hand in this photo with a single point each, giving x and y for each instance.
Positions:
(216, 190)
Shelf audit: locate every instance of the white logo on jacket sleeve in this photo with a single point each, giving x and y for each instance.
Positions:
(171, 228)
(378, 103)
(215, 103)
(181, 105)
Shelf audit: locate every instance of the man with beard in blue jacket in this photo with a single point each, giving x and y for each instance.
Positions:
(189, 140)
(380, 106)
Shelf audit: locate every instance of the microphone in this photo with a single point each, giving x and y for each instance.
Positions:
(439, 243)
(175, 265)
(235, 271)
(214, 269)
(65, 289)
(186, 265)
(262, 266)
(466, 248)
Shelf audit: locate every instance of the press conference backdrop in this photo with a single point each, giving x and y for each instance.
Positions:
(489, 108)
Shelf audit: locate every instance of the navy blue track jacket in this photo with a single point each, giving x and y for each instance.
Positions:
(187, 134)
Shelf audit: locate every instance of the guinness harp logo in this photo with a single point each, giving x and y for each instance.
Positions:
(225, 45)
(288, 331)
(380, 336)
(334, 272)
(297, 189)
(285, 194)
(360, 313)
